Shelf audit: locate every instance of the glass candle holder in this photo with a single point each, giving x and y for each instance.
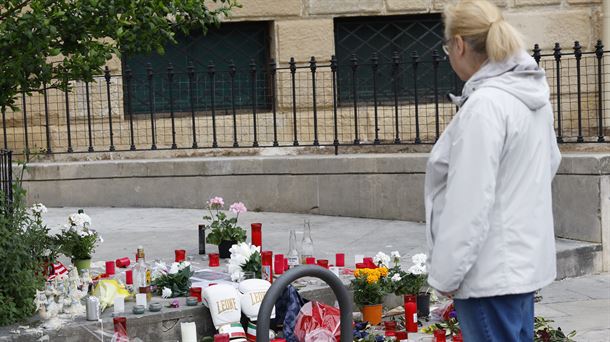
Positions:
(389, 325)
(278, 264)
(110, 270)
(257, 236)
(340, 259)
(129, 277)
(122, 262)
(440, 335)
(310, 261)
(214, 259)
(120, 326)
(180, 255)
(323, 263)
(195, 292)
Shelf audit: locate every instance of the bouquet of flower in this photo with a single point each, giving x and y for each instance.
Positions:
(244, 258)
(448, 321)
(78, 240)
(410, 281)
(174, 280)
(221, 227)
(44, 246)
(364, 332)
(369, 285)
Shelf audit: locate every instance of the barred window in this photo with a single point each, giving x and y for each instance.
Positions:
(356, 39)
(237, 43)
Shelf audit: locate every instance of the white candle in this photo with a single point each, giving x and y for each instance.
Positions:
(119, 304)
(188, 331)
(141, 299)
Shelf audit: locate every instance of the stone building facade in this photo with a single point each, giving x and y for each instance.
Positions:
(300, 29)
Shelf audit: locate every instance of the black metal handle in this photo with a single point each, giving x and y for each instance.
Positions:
(278, 286)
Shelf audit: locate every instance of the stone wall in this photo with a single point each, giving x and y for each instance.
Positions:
(301, 29)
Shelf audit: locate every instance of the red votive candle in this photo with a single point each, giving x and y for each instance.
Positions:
(440, 335)
(180, 255)
(401, 335)
(389, 325)
(267, 267)
(257, 236)
(129, 277)
(323, 263)
(221, 338)
(278, 264)
(109, 268)
(369, 262)
(310, 261)
(361, 265)
(458, 337)
(122, 262)
(120, 327)
(286, 266)
(213, 259)
(340, 260)
(195, 292)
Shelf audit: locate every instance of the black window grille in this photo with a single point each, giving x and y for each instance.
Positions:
(211, 57)
(357, 39)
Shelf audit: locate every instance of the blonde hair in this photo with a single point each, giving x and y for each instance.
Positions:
(483, 27)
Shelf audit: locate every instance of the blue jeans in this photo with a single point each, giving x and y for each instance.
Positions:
(507, 318)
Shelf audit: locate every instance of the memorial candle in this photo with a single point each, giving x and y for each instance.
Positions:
(188, 331)
(257, 236)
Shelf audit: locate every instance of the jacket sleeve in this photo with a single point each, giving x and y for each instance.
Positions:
(476, 149)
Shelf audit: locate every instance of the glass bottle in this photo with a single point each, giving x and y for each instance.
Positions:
(141, 271)
(306, 243)
(293, 254)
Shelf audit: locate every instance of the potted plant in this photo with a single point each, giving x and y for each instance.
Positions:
(78, 241)
(369, 286)
(224, 231)
(409, 283)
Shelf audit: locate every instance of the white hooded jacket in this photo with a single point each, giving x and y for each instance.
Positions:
(489, 219)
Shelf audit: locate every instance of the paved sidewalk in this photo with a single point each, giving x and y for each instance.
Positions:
(581, 304)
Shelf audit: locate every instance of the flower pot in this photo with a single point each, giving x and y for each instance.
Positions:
(423, 304)
(223, 248)
(82, 264)
(372, 313)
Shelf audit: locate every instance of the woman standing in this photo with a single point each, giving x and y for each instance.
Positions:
(488, 180)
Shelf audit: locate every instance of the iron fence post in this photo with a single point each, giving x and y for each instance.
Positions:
(333, 69)
(578, 55)
(415, 60)
(107, 77)
(599, 53)
(90, 149)
(25, 125)
(253, 75)
(151, 105)
(191, 75)
(395, 77)
(212, 74)
(70, 150)
(557, 56)
(375, 68)
(537, 56)
(293, 70)
(170, 80)
(273, 67)
(354, 65)
(232, 72)
(46, 118)
(4, 136)
(313, 67)
(435, 64)
(128, 77)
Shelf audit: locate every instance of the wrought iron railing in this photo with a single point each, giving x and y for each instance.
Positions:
(289, 104)
(6, 178)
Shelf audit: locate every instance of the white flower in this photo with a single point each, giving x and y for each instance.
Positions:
(395, 257)
(166, 293)
(382, 259)
(39, 209)
(417, 269)
(173, 269)
(79, 220)
(396, 277)
(419, 259)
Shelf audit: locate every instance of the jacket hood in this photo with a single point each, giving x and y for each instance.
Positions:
(518, 75)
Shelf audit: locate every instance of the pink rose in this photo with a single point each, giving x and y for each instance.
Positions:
(238, 208)
(216, 202)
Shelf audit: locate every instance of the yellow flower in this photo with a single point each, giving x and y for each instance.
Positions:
(356, 273)
(371, 279)
(383, 271)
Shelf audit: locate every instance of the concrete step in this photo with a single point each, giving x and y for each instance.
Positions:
(577, 258)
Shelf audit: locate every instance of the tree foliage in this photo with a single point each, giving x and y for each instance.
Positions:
(45, 43)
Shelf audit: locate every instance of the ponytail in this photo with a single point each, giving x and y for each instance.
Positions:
(482, 26)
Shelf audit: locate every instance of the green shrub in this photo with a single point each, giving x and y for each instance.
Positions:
(25, 248)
